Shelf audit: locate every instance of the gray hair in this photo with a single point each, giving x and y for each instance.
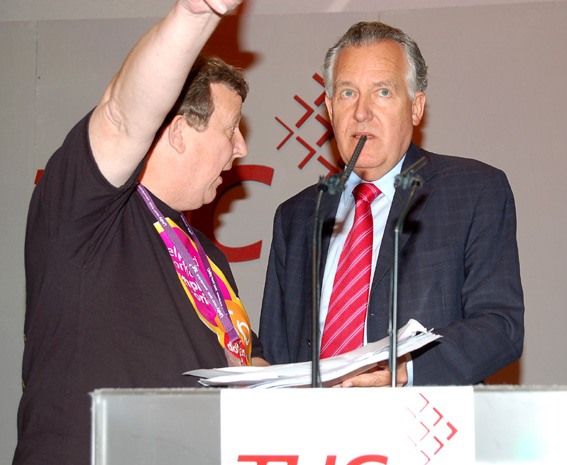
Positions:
(368, 33)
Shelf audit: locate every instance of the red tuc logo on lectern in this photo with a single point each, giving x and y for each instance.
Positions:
(295, 459)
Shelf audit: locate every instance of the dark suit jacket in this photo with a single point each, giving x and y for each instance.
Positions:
(458, 272)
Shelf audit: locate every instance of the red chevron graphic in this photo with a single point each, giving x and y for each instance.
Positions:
(308, 112)
(429, 421)
(453, 431)
(332, 168)
(328, 134)
(321, 97)
(288, 136)
(309, 155)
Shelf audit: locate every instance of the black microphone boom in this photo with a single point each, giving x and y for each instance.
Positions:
(332, 185)
(403, 181)
(352, 161)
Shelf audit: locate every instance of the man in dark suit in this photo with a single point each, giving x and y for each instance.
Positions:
(458, 266)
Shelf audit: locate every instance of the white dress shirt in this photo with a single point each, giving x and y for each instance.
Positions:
(344, 220)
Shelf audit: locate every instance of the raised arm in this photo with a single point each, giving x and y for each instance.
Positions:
(139, 97)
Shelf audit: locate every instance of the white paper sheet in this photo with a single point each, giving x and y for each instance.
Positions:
(333, 370)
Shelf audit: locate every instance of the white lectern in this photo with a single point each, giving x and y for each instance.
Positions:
(428, 425)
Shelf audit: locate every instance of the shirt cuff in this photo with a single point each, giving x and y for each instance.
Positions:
(409, 368)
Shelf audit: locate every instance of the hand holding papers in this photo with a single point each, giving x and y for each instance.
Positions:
(333, 370)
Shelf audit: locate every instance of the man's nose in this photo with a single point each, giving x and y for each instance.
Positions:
(362, 110)
(240, 147)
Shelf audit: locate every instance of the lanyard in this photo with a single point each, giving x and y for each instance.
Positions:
(209, 287)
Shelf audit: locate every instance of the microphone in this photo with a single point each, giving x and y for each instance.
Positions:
(335, 184)
(332, 185)
(406, 178)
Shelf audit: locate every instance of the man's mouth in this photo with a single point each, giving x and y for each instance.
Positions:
(359, 135)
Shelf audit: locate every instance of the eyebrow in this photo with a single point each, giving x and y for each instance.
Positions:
(344, 84)
(236, 119)
(384, 83)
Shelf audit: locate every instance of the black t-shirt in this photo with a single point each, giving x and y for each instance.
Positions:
(105, 308)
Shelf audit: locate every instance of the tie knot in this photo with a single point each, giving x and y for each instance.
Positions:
(366, 191)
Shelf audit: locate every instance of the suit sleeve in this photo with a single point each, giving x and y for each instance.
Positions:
(490, 334)
(273, 326)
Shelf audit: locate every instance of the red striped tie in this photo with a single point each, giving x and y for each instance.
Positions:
(344, 325)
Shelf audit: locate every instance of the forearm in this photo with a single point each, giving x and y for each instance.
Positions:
(134, 105)
(468, 352)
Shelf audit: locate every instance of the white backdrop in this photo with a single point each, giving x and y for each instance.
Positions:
(497, 72)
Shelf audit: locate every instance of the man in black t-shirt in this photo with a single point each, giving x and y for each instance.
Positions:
(120, 291)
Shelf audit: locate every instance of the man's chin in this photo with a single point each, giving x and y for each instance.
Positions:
(211, 196)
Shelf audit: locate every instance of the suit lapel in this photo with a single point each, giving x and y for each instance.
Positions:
(419, 201)
(328, 208)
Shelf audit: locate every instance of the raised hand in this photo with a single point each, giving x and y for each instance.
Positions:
(207, 6)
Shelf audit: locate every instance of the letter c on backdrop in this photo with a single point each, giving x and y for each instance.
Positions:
(204, 219)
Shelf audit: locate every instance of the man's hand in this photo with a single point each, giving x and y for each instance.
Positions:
(207, 6)
(379, 376)
(259, 362)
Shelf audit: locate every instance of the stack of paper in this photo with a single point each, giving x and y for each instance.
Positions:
(333, 370)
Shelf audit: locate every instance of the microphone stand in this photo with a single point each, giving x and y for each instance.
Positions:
(405, 180)
(332, 185)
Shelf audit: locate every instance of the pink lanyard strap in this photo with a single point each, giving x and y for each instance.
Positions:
(209, 287)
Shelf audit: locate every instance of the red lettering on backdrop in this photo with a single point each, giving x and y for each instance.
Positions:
(266, 459)
(203, 219)
(38, 176)
(369, 459)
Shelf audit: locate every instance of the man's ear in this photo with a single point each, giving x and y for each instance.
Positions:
(418, 107)
(176, 135)
(329, 104)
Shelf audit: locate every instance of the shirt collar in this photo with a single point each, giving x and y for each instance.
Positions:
(385, 183)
